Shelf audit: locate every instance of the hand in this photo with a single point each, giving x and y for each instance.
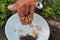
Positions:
(24, 8)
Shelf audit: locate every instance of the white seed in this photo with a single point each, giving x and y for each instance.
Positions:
(31, 25)
(34, 36)
(20, 30)
(35, 33)
(28, 16)
(22, 18)
(26, 19)
(29, 19)
(38, 28)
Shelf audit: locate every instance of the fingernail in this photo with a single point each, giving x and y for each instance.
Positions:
(10, 6)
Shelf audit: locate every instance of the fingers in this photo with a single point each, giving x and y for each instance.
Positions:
(21, 9)
(19, 4)
(32, 5)
(33, 2)
(12, 7)
(16, 6)
(27, 9)
(21, 15)
(31, 13)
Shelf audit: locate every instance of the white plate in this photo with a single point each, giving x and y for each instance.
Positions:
(14, 23)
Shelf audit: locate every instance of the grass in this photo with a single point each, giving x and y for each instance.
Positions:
(4, 12)
(51, 8)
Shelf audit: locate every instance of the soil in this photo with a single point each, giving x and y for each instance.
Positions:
(28, 37)
(2, 33)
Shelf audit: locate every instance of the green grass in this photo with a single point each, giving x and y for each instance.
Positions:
(51, 8)
(4, 12)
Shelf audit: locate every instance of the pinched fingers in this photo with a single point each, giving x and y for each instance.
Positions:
(19, 4)
(32, 6)
(27, 9)
(31, 14)
(21, 12)
(12, 7)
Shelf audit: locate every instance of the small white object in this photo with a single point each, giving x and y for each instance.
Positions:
(39, 5)
(14, 22)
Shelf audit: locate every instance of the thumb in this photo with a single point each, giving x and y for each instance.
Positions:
(12, 7)
(16, 5)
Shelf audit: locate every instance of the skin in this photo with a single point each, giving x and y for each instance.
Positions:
(24, 7)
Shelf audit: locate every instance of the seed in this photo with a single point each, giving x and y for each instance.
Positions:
(38, 28)
(28, 16)
(22, 18)
(21, 30)
(35, 33)
(31, 25)
(29, 19)
(20, 36)
(26, 19)
(15, 30)
(34, 36)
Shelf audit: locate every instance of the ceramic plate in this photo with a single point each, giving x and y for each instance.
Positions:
(13, 25)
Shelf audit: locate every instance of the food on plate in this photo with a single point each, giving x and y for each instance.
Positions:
(38, 28)
(26, 19)
(35, 33)
(22, 18)
(20, 30)
(28, 36)
(25, 35)
(31, 25)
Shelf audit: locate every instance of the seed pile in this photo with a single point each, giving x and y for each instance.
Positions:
(27, 19)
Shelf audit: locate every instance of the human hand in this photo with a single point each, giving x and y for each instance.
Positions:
(24, 8)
